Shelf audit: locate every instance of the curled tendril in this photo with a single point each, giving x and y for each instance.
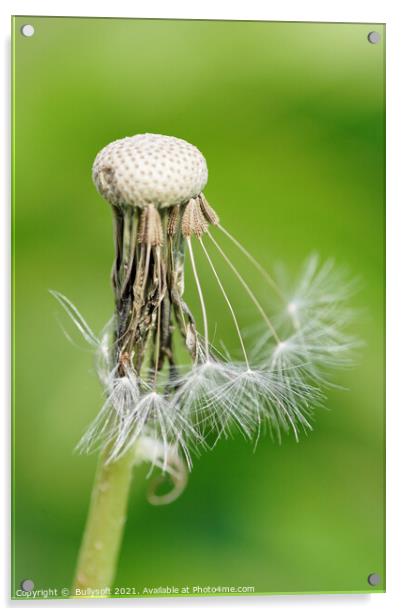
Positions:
(177, 473)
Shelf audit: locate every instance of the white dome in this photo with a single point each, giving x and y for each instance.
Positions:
(149, 168)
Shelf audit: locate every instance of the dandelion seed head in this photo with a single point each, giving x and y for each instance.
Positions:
(149, 168)
(166, 411)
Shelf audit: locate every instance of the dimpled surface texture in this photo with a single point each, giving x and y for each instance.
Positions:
(149, 168)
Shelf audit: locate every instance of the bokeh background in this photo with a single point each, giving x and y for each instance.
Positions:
(290, 117)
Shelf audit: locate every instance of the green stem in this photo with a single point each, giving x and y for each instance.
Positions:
(105, 524)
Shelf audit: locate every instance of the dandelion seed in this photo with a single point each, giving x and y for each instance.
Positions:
(111, 422)
(316, 322)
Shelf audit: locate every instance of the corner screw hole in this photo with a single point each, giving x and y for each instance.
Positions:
(27, 30)
(373, 37)
(374, 579)
(27, 585)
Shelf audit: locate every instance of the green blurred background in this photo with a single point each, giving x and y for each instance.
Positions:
(290, 117)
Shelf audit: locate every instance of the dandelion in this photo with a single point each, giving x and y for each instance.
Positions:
(158, 409)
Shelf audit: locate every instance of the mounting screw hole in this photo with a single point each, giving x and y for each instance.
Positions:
(374, 37)
(27, 585)
(27, 30)
(374, 579)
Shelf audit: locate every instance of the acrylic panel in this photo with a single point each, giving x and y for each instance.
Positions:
(221, 393)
